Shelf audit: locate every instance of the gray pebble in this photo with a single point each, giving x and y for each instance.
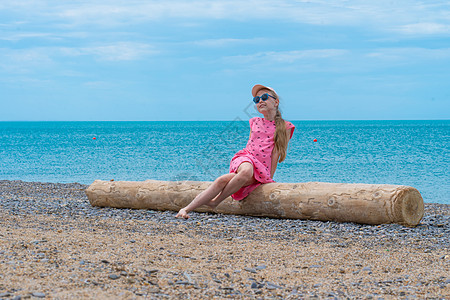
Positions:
(272, 286)
(332, 295)
(38, 295)
(113, 276)
(151, 271)
(257, 285)
(251, 270)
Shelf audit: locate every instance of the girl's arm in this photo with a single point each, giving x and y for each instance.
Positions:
(273, 166)
(276, 156)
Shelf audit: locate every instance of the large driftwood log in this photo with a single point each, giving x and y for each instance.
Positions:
(340, 202)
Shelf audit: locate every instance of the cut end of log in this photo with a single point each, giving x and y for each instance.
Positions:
(410, 209)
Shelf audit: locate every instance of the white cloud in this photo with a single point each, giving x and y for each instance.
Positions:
(423, 29)
(341, 61)
(117, 51)
(409, 55)
(287, 57)
(16, 61)
(381, 15)
(119, 12)
(14, 37)
(226, 42)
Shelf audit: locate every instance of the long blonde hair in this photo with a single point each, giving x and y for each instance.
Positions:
(281, 138)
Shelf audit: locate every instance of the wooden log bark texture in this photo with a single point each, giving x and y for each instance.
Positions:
(339, 202)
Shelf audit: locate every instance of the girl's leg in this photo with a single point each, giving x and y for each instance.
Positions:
(205, 197)
(244, 177)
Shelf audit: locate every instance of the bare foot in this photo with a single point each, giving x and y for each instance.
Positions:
(182, 214)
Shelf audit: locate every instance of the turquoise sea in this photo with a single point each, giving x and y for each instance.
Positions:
(414, 153)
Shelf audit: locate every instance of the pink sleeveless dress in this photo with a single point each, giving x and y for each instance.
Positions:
(258, 152)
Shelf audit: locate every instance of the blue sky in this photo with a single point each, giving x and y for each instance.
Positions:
(197, 60)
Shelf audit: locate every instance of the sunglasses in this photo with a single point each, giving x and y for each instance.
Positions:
(263, 97)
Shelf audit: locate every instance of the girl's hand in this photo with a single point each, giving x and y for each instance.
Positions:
(182, 214)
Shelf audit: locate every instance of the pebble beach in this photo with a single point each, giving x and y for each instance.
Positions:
(55, 245)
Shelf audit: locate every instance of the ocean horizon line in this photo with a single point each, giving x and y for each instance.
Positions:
(235, 119)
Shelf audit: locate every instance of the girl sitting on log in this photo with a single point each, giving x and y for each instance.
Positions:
(257, 162)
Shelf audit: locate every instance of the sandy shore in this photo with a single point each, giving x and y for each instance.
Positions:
(54, 245)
